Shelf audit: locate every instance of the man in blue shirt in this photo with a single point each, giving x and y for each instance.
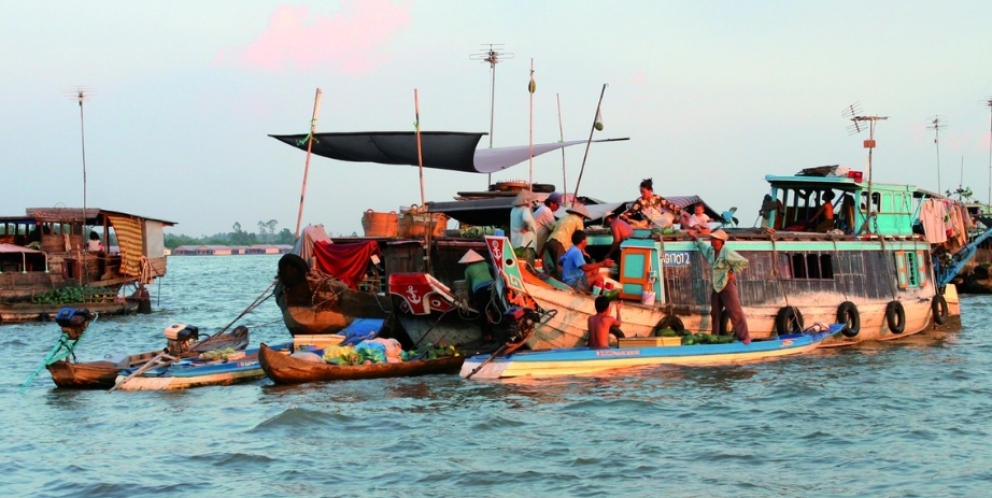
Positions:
(578, 274)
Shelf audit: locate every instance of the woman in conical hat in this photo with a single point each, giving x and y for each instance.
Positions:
(471, 257)
(479, 281)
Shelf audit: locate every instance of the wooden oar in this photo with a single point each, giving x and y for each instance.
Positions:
(163, 359)
(505, 349)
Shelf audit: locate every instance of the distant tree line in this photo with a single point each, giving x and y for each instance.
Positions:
(266, 234)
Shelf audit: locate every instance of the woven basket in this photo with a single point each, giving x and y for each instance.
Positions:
(415, 223)
(380, 224)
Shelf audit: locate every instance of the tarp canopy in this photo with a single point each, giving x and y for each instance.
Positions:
(452, 151)
(310, 236)
(347, 262)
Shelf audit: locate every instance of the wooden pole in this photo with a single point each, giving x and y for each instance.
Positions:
(592, 130)
(561, 138)
(306, 170)
(531, 87)
(423, 197)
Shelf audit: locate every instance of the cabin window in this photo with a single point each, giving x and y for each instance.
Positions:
(798, 267)
(912, 269)
(812, 266)
(826, 267)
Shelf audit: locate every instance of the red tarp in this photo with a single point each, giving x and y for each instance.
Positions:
(347, 262)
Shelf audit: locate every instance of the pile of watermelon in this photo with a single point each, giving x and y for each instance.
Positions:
(691, 339)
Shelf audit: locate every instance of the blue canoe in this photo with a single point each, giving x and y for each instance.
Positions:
(577, 361)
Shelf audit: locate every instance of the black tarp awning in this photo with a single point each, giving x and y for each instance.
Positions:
(452, 151)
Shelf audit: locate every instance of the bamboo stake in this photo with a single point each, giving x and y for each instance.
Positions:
(306, 170)
(592, 130)
(561, 138)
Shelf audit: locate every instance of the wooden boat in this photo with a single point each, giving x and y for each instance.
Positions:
(578, 361)
(285, 369)
(45, 264)
(195, 372)
(102, 373)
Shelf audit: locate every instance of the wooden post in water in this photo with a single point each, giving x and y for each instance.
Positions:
(592, 130)
(306, 170)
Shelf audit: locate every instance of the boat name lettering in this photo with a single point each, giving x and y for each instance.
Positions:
(632, 352)
(248, 363)
(676, 259)
(788, 342)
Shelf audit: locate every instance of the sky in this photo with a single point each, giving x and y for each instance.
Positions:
(714, 95)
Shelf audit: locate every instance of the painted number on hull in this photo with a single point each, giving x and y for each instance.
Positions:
(677, 259)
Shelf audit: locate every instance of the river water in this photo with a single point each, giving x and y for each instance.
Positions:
(907, 418)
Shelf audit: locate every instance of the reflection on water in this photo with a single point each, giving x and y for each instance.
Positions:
(909, 417)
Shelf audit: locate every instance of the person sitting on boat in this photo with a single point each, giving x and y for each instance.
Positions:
(770, 206)
(560, 239)
(479, 282)
(699, 222)
(652, 209)
(576, 272)
(823, 220)
(602, 323)
(544, 217)
(621, 231)
(94, 244)
(724, 265)
(523, 228)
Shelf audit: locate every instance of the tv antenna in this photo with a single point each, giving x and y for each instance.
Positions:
(936, 125)
(859, 123)
(82, 94)
(988, 102)
(493, 55)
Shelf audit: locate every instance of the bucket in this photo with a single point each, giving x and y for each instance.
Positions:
(460, 288)
(647, 298)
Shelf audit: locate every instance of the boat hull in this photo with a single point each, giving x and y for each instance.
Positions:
(282, 368)
(30, 312)
(302, 317)
(579, 361)
(190, 373)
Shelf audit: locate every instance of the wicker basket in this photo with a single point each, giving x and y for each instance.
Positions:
(380, 224)
(415, 223)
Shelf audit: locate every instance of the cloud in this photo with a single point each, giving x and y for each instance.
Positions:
(352, 40)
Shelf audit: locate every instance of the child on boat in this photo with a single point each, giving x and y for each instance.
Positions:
(602, 323)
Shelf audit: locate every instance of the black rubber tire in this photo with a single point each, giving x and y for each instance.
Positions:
(895, 317)
(941, 312)
(615, 331)
(292, 270)
(789, 320)
(848, 314)
(669, 322)
(726, 326)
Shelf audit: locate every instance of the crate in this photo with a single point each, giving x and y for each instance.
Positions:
(650, 342)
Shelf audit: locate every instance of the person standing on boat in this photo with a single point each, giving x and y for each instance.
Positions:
(724, 264)
(602, 323)
(544, 217)
(560, 239)
(575, 271)
(479, 282)
(523, 228)
(652, 208)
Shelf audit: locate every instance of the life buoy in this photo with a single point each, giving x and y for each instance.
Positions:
(669, 322)
(848, 314)
(940, 310)
(789, 320)
(292, 270)
(895, 317)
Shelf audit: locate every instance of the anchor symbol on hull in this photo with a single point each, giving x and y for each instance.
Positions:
(412, 295)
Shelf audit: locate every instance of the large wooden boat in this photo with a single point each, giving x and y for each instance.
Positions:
(282, 368)
(583, 360)
(46, 262)
(102, 373)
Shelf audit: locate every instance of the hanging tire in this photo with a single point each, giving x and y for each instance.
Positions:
(895, 317)
(789, 320)
(292, 270)
(848, 314)
(726, 325)
(669, 322)
(940, 311)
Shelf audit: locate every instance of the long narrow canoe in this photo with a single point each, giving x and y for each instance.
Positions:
(285, 369)
(578, 361)
(197, 373)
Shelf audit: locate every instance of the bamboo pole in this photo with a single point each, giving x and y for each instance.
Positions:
(592, 130)
(531, 88)
(423, 197)
(306, 169)
(561, 138)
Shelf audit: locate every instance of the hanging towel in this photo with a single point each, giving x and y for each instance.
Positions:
(932, 215)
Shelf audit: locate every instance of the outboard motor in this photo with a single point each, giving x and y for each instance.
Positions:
(180, 337)
(74, 321)
(523, 321)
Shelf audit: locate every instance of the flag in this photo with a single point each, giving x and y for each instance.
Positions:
(599, 120)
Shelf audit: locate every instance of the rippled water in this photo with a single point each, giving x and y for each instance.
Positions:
(910, 418)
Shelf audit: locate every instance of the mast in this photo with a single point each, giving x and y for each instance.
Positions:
(492, 56)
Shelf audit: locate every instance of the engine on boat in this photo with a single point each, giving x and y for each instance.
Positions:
(523, 321)
(74, 321)
(180, 337)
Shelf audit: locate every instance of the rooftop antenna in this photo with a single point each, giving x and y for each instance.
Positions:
(493, 55)
(859, 123)
(82, 94)
(936, 126)
(988, 103)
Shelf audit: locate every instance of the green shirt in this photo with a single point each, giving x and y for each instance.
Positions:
(721, 265)
(565, 228)
(477, 274)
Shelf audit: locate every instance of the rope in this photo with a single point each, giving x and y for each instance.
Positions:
(251, 307)
(303, 141)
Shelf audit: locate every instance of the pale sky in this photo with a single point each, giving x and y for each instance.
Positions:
(714, 95)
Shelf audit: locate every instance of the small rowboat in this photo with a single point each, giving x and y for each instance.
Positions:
(285, 369)
(195, 372)
(577, 361)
